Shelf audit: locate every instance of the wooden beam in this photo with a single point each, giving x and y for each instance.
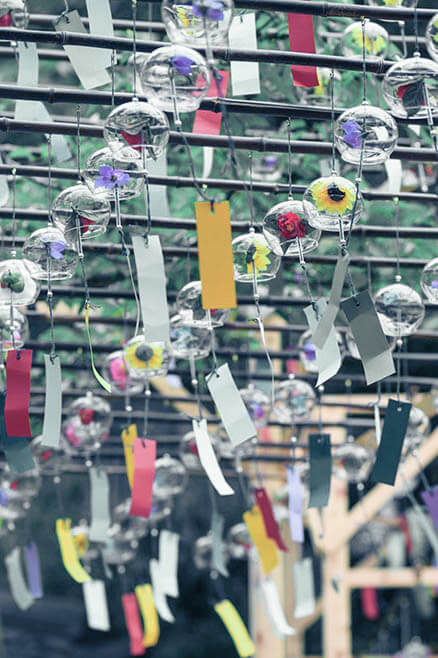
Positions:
(382, 578)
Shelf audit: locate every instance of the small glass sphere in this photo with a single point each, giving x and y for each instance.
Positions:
(117, 374)
(188, 452)
(267, 167)
(93, 211)
(376, 41)
(189, 21)
(251, 250)
(175, 76)
(405, 85)
(203, 553)
(161, 509)
(188, 342)
(189, 307)
(352, 347)
(258, 404)
(392, 3)
(20, 486)
(14, 328)
(17, 285)
(11, 508)
(368, 129)
(51, 252)
(117, 551)
(432, 37)
(14, 13)
(320, 95)
(417, 431)
(352, 462)
(128, 528)
(105, 172)
(51, 461)
(307, 350)
(293, 399)
(87, 425)
(400, 309)
(139, 125)
(239, 541)
(332, 199)
(81, 539)
(145, 360)
(429, 281)
(287, 228)
(415, 649)
(170, 477)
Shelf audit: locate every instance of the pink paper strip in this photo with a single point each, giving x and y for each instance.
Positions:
(145, 452)
(295, 505)
(302, 40)
(133, 624)
(271, 525)
(206, 122)
(18, 393)
(370, 604)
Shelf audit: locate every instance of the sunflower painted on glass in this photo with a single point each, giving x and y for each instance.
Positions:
(257, 254)
(142, 356)
(373, 45)
(334, 196)
(81, 543)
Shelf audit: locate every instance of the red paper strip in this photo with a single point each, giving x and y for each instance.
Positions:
(18, 393)
(370, 604)
(145, 451)
(133, 624)
(302, 40)
(134, 141)
(206, 122)
(271, 525)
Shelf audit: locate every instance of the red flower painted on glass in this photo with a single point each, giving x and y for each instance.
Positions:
(291, 226)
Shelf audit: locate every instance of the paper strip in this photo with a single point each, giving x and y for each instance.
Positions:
(231, 408)
(296, 498)
(98, 376)
(328, 359)
(425, 523)
(53, 403)
(37, 111)
(390, 447)
(208, 459)
(128, 439)
(327, 321)
(100, 511)
(168, 559)
(369, 602)
(370, 340)
(274, 609)
(96, 605)
(394, 172)
(156, 571)
(266, 547)
(19, 590)
(18, 365)
(207, 122)
(320, 460)
(68, 551)
(236, 628)
(271, 525)
(304, 588)
(152, 288)
(159, 203)
(28, 73)
(302, 40)
(33, 569)
(377, 424)
(430, 498)
(145, 451)
(133, 624)
(16, 449)
(245, 76)
(148, 611)
(4, 200)
(88, 63)
(215, 255)
(207, 155)
(217, 529)
(101, 23)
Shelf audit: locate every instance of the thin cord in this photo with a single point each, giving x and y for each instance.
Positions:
(212, 338)
(397, 238)
(49, 178)
(147, 398)
(78, 140)
(14, 202)
(332, 107)
(251, 204)
(417, 47)
(113, 77)
(289, 159)
(364, 61)
(134, 45)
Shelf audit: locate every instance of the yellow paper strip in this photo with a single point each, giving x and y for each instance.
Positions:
(215, 255)
(265, 546)
(128, 438)
(106, 385)
(68, 551)
(148, 611)
(236, 628)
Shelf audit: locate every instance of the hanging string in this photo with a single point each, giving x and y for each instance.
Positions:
(251, 200)
(147, 196)
(49, 178)
(397, 238)
(49, 261)
(364, 61)
(195, 385)
(134, 46)
(14, 205)
(289, 159)
(127, 397)
(212, 339)
(401, 25)
(147, 398)
(78, 141)
(305, 274)
(332, 112)
(113, 77)
(259, 321)
(417, 47)
(430, 123)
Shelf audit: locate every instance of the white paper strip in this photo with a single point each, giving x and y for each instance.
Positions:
(328, 359)
(304, 589)
(28, 73)
(377, 423)
(208, 459)
(37, 111)
(245, 76)
(158, 193)
(99, 498)
(19, 589)
(4, 191)
(168, 559)
(207, 153)
(274, 609)
(96, 605)
(159, 597)
(395, 173)
(101, 23)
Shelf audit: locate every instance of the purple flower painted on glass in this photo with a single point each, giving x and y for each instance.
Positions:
(271, 161)
(309, 351)
(55, 248)
(109, 177)
(353, 133)
(183, 65)
(434, 284)
(257, 410)
(212, 9)
(3, 497)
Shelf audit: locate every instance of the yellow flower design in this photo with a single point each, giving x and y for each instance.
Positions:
(131, 357)
(182, 16)
(260, 258)
(372, 46)
(334, 197)
(156, 360)
(391, 3)
(81, 543)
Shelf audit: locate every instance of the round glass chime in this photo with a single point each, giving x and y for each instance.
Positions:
(13, 13)
(144, 360)
(410, 88)
(117, 374)
(432, 37)
(170, 478)
(253, 257)
(288, 229)
(78, 205)
(400, 309)
(352, 462)
(365, 133)
(429, 281)
(376, 40)
(187, 22)
(190, 310)
(332, 200)
(18, 286)
(55, 257)
(87, 425)
(188, 342)
(111, 174)
(258, 404)
(14, 328)
(293, 399)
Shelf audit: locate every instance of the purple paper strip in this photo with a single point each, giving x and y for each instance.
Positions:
(430, 498)
(295, 505)
(33, 570)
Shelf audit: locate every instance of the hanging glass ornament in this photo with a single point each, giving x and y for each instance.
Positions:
(11, 508)
(117, 551)
(281, 496)
(170, 477)
(293, 399)
(376, 41)
(319, 95)
(352, 347)
(188, 452)
(332, 199)
(203, 553)
(104, 171)
(81, 539)
(52, 253)
(307, 350)
(14, 328)
(352, 462)
(251, 250)
(239, 541)
(128, 528)
(257, 403)
(410, 85)
(415, 649)
(188, 342)
(368, 130)
(429, 281)
(139, 125)
(13, 13)
(161, 509)
(188, 22)
(432, 37)
(17, 285)
(145, 360)
(51, 461)
(400, 309)
(20, 486)
(288, 230)
(417, 431)
(117, 374)
(266, 167)
(189, 308)
(175, 78)
(87, 425)
(93, 210)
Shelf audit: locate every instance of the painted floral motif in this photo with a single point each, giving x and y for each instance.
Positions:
(257, 255)
(182, 65)
(142, 357)
(12, 280)
(373, 46)
(334, 197)
(109, 177)
(309, 351)
(55, 248)
(212, 9)
(118, 372)
(81, 543)
(291, 226)
(86, 415)
(353, 133)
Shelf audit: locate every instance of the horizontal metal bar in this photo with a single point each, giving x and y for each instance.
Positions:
(118, 23)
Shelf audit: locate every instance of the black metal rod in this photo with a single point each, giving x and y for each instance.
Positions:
(118, 23)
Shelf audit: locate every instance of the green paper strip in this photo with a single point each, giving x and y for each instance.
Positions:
(390, 446)
(100, 511)
(320, 460)
(98, 376)
(53, 403)
(16, 449)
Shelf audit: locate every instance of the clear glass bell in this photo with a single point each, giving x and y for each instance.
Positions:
(145, 360)
(20, 486)
(14, 13)
(252, 250)
(104, 172)
(14, 328)
(368, 129)
(429, 281)
(52, 253)
(258, 404)
(117, 374)
(17, 284)
(203, 553)
(87, 425)
(189, 308)
(307, 350)
(51, 461)
(81, 539)
(170, 477)
(410, 85)
(239, 541)
(417, 431)
(93, 211)
(118, 551)
(352, 462)
(161, 509)
(175, 77)
(376, 41)
(138, 125)
(293, 399)
(400, 309)
(187, 22)
(267, 167)
(288, 230)
(188, 342)
(128, 528)
(432, 37)
(332, 199)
